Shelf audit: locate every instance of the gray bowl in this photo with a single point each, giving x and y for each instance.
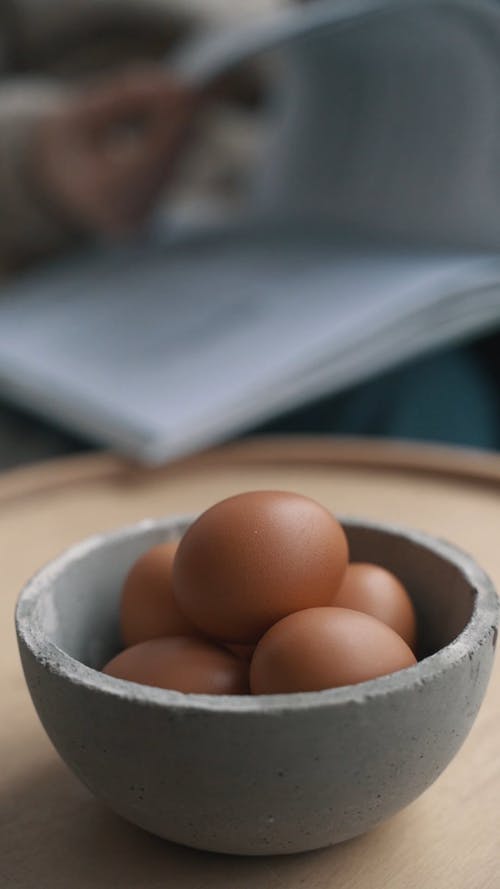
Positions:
(256, 775)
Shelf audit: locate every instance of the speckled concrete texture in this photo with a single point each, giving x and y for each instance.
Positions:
(247, 775)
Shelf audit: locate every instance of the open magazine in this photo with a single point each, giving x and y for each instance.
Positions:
(372, 235)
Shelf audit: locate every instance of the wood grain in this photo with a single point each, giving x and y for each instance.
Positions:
(54, 835)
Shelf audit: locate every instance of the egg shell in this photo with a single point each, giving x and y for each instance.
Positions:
(254, 558)
(190, 665)
(147, 608)
(243, 651)
(376, 591)
(324, 648)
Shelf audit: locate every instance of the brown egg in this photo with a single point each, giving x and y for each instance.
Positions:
(376, 591)
(325, 648)
(243, 651)
(254, 558)
(148, 609)
(191, 665)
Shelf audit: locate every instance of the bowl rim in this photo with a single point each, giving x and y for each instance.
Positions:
(481, 625)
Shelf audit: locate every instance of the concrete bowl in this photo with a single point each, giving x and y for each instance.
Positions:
(256, 775)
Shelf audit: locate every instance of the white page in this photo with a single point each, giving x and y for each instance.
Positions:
(206, 58)
(158, 351)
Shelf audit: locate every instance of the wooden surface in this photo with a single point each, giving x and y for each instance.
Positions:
(53, 835)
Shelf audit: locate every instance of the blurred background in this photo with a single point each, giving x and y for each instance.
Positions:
(95, 135)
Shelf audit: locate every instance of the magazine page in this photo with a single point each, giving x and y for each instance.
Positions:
(382, 115)
(158, 351)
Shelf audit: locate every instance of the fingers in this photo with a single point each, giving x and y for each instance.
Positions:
(136, 172)
(136, 144)
(139, 95)
(110, 152)
(135, 124)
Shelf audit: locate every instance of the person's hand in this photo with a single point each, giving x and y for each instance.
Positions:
(104, 156)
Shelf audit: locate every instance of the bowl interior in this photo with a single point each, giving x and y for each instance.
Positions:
(78, 610)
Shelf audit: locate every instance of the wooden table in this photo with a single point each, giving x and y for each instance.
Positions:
(53, 835)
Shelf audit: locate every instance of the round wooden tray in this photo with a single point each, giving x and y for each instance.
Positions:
(54, 835)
